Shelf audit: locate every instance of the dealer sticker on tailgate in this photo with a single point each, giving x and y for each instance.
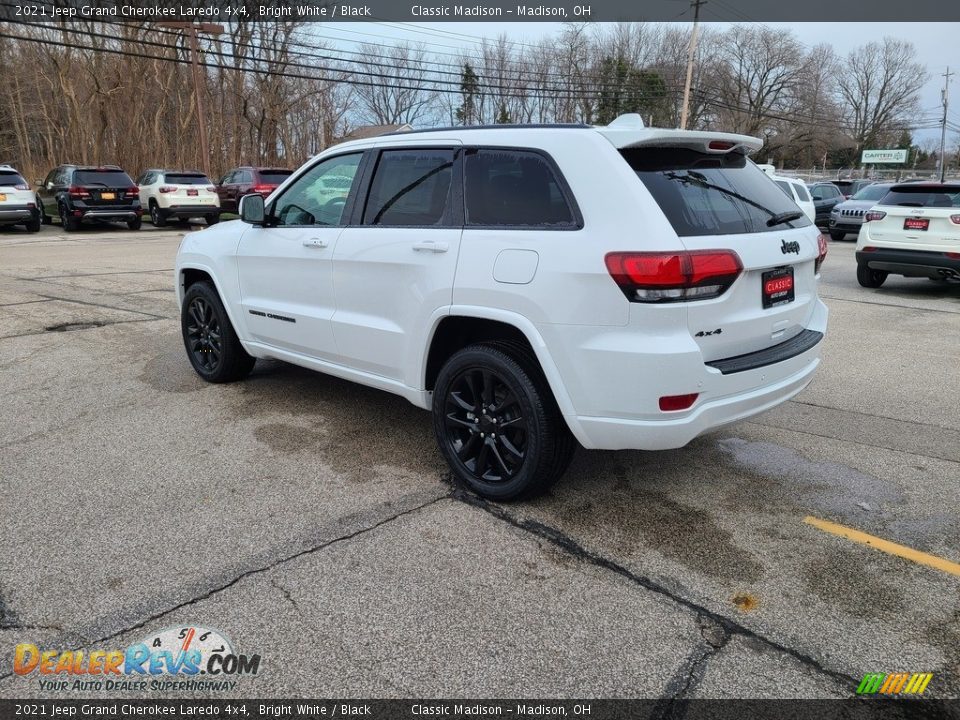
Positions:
(777, 286)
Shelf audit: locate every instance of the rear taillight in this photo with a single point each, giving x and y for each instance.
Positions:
(674, 277)
(874, 215)
(670, 403)
(133, 192)
(21, 186)
(78, 192)
(263, 189)
(210, 188)
(821, 252)
(868, 248)
(167, 189)
(721, 145)
(955, 219)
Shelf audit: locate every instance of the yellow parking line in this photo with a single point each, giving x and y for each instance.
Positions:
(885, 545)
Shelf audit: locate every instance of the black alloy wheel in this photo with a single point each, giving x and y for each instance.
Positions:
(204, 336)
(485, 425)
(212, 345)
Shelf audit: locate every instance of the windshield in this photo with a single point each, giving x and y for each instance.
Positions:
(709, 194)
(104, 178)
(188, 179)
(871, 192)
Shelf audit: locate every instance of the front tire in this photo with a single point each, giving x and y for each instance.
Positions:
(212, 345)
(44, 218)
(69, 222)
(869, 278)
(497, 424)
(837, 235)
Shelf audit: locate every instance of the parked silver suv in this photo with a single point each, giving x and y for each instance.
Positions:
(847, 217)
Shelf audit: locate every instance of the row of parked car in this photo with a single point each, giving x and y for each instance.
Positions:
(81, 193)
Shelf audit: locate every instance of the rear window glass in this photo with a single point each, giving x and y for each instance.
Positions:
(514, 188)
(187, 179)
(785, 186)
(947, 196)
(802, 192)
(274, 177)
(105, 178)
(705, 194)
(9, 179)
(872, 192)
(409, 188)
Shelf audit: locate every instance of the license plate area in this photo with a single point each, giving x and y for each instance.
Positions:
(916, 224)
(108, 196)
(3, 197)
(777, 287)
(192, 193)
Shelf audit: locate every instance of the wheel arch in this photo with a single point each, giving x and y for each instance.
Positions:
(193, 272)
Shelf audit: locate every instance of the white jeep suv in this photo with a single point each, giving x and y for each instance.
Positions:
(18, 202)
(178, 194)
(533, 286)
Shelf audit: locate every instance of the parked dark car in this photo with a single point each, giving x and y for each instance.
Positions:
(246, 181)
(851, 187)
(78, 193)
(825, 196)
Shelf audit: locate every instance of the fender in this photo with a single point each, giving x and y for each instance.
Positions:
(239, 328)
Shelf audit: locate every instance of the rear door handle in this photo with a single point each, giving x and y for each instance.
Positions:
(431, 246)
(316, 243)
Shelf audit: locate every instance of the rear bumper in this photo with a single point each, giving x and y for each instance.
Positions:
(189, 211)
(846, 224)
(911, 263)
(106, 212)
(17, 213)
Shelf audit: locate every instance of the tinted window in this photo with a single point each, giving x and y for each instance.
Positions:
(410, 187)
(513, 188)
(105, 178)
(8, 179)
(785, 186)
(242, 176)
(872, 192)
(711, 194)
(319, 196)
(946, 196)
(802, 192)
(187, 179)
(274, 177)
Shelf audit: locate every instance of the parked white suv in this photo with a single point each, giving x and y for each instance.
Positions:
(178, 194)
(619, 286)
(18, 202)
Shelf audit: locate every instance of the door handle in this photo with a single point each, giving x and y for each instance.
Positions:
(431, 246)
(315, 243)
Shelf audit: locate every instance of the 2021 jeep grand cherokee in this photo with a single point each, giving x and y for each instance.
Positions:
(534, 286)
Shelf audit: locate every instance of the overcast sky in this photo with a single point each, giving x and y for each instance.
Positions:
(937, 44)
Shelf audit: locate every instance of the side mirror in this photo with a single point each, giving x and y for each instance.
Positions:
(252, 209)
(38, 183)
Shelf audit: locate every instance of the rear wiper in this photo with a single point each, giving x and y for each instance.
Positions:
(696, 178)
(784, 217)
(910, 204)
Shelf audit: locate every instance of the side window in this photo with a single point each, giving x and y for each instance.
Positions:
(319, 196)
(242, 177)
(785, 186)
(802, 192)
(410, 187)
(515, 188)
(817, 193)
(51, 177)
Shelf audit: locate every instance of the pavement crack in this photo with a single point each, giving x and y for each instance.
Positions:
(725, 625)
(286, 594)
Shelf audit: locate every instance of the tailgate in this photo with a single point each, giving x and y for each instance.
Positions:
(914, 228)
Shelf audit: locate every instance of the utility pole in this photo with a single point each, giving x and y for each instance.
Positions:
(192, 29)
(945, 93)
(691, 51)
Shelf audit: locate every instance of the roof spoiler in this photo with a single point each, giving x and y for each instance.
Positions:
(629, 131)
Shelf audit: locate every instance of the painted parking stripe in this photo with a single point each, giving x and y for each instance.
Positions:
(886, 546)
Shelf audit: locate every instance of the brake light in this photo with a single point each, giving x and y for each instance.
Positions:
(953, 255)
(133, 192)
(21, 186)
(210, 188)
(674, 277)
(955, 219)
(721, 145)
(263, 189)
(167, 189)
(821, 252)
(869, 248)
(670, 403)
(874, 215)
(78, 192)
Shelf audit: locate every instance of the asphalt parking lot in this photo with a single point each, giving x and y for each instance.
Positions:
(311, 520)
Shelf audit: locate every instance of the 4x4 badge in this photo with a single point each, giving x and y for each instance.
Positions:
(790, 247)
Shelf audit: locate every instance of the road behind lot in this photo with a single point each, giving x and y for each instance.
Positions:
(311, 520)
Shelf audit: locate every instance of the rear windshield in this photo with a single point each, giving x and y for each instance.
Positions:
(705, 194)
(9, 179)
(104, 178)
(274, 177)
(872, 192)
(187, 179)
(945, 196)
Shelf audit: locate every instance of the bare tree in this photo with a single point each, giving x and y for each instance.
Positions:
(397, 89)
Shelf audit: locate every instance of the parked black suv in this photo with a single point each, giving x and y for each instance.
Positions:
(87, 192)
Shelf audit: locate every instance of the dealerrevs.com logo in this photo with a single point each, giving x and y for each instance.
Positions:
(894, 683)
(181, 658)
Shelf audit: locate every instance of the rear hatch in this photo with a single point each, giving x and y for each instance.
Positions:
(103, 187)
(718, 200)
(189, 189)
(268, 179)
(918, 217)
(14, 190)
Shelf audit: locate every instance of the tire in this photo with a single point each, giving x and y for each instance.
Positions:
(69, 222)
(837, 235)
(870, 278)
(44, 218)
(212, 345)
(212, 219)
(33, 225)
(156, 216)
(135, 224)
(521, 462)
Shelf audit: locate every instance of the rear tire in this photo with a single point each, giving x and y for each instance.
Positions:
(33, 225)
(837, 235)
(135, 224)
(211, 343)
(212, 219)
(497, 424)
(156, 216)
(69, 222)
(869, 278)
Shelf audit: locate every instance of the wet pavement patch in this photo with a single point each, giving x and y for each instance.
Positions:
(66, 327)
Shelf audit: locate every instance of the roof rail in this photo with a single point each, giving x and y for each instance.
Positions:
(498, 126)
